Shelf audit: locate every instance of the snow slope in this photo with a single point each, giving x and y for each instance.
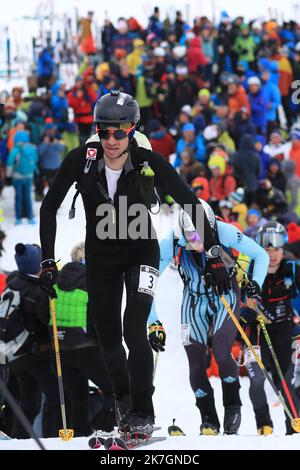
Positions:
(173, 397)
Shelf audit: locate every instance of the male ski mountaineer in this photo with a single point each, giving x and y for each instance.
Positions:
(105, 172)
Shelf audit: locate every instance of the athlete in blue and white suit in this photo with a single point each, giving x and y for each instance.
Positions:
(202, 312)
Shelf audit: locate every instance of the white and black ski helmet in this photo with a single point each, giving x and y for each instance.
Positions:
(272, 234)
(117, 107)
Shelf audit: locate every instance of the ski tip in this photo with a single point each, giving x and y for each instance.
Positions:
(96, 442)
(115, 443)
(175, 431)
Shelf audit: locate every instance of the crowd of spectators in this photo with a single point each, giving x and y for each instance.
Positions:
(217, 101)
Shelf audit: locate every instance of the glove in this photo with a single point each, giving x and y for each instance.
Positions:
(217, 276)
(48, 277)
(248, 315)
(157, 336)
(253, 290)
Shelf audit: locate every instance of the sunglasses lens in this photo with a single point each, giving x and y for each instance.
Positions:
(118, 134)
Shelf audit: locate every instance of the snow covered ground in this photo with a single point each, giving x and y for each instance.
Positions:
(173, 397)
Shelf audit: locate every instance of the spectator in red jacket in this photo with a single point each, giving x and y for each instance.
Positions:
(82, 98)
(195, 57)
(162, 142)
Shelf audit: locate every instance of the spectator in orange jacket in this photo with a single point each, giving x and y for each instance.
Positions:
(294, 153)
(237, 98)
(220, 184)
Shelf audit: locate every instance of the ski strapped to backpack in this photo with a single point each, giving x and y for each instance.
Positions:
(13, 333)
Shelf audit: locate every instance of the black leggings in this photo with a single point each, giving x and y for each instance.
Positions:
(221, 346)
(106, 274)
(79, 366)
(34, 375)
(280, 335)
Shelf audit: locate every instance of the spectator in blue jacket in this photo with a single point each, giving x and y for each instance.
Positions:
(45, 68)
(272, 66)
(190, 140)
(59, 104)
(155, 26)
(258, 104)
(273, 96)
(21, 165)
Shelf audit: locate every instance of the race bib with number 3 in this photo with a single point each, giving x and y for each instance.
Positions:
(148, 280)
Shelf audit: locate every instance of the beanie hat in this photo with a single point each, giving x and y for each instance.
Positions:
(216, 161)
(211, 132)
(253, 81)
(186, 109)
(188, 127)
(254, 212)
(237, 195)
(21, 137)
(78, 253)
(28, 258)
(200, 187)
(204, 92)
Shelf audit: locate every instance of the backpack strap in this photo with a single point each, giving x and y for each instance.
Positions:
(73, 209)
(92, 154)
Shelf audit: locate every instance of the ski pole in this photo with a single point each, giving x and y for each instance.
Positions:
(155, 365)
(295, 422)
(65, 434)
(19, 413)
(277, 365)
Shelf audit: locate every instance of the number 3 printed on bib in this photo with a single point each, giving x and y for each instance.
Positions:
(148, 280)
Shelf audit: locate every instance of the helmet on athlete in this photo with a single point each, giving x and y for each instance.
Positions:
(272, 234)
(116, 108)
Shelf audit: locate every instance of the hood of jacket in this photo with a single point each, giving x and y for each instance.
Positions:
(247, 142)
(72, 276)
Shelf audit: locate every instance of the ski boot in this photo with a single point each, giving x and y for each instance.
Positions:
(263, 421)
(232, 419)
(140, 428)
(122, 409)
(210, 422)
(209, 429)
(265, 430)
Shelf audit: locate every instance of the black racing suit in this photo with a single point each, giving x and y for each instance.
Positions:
(110, 262)
(277, 291)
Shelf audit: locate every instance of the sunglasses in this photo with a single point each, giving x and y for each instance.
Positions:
(117, 134)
